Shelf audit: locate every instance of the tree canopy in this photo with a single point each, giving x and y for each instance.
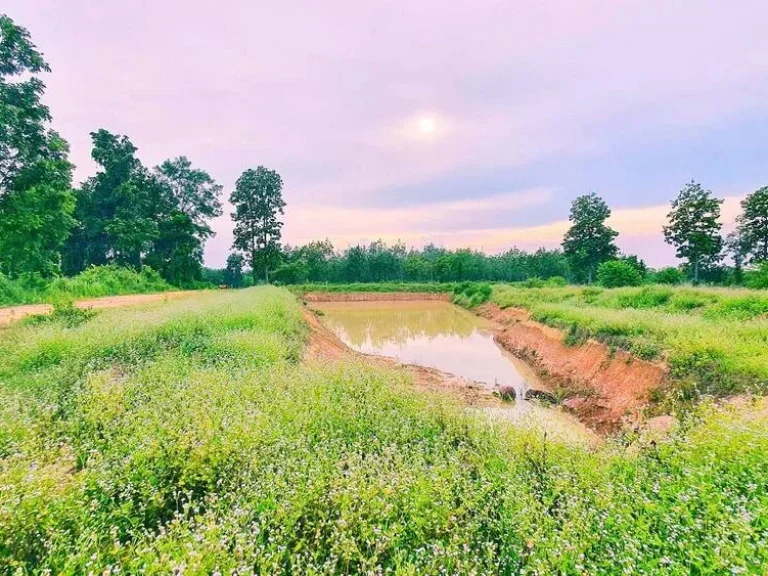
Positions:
(36, 201)
(694, 228)
(258, 202)
(753, 226)
(589, 241)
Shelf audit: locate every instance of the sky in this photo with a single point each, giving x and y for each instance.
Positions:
(463, 123)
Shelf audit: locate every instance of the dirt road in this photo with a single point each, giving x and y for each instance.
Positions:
(13, 313)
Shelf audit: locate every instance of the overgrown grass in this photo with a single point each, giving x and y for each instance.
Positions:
(715, 340)
(186, 437)
(94, 282)
(375, 287)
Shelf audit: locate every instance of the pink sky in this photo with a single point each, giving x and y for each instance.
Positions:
(532, 103)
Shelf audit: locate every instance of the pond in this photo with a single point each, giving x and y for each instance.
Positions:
(428, 333)
(451, 339)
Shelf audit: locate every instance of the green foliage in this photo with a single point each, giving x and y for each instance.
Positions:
(258, 200)
(92, 283)
(694, 228)
(234, 270)
(753, 226)
(36, 200)
(378, 262)
(471, 294)
(713, 339)
(616, 273)
(429, 287)
(589, 241)
(669, 275)
(186, 437)
(758, 279)
(64, 313)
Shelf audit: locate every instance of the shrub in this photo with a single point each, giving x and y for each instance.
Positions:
(615, 273)
(758, 279)
(556, 282)
(534, 282)
(668, 275)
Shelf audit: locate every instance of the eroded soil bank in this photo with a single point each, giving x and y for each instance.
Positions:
(605, 387)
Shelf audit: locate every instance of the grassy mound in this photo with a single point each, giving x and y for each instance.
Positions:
(187, 437)
(715, 340)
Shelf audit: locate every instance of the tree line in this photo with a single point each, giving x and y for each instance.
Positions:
(134, 216)
(127, 214)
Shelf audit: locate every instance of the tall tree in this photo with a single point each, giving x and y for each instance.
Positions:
(36, 200)
(589, 241)
(190, 198)
(258, 202)
(233, 273)
(694, 228)
(753, 224)
(117, 208)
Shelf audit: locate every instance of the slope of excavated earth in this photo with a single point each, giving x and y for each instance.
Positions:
(607, 386)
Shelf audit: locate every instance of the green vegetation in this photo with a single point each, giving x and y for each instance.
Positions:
(376, 287)
(617, 273)
(715, 340)
(187, 437)
(93, 283)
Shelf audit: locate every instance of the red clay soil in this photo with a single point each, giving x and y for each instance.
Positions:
(609, 387)
(375, 296)
(13, 313)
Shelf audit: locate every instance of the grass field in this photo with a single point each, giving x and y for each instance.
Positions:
(715, 340)
(188, 437)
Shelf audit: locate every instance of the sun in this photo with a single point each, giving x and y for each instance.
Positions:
(427, 125)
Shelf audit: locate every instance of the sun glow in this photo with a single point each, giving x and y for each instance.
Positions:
(427, 125)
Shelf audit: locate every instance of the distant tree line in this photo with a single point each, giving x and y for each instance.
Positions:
(134, 216)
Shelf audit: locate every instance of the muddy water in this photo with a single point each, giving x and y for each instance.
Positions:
(443, 336)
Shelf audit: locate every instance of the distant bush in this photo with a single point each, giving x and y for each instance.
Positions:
(616, 273)
(556, 282)
(533, 283)
(668, 275)
(472, 294)
(758, 279)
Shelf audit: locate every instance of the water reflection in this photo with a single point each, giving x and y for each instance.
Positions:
(435, 334)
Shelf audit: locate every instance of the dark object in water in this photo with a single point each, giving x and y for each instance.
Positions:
(505, 392)
(542, 395)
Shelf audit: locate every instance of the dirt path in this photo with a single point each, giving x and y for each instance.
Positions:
(608, 386)
(13, 313)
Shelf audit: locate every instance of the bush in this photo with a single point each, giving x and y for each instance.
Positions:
(668, 275)
(556, 282)
(758, 279)
(616, 273)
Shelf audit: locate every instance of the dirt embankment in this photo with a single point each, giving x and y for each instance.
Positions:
(375, 296)
(14, 313)
(607, 386)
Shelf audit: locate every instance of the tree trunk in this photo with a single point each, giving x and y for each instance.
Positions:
(696, 273)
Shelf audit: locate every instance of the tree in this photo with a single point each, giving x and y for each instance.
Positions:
(668, 275)
(189, 198)
(753, 224)
(694, 228)
(589, 241)
(233, 274)
(738, 245)
(36, 199)
(615, 273)
(258, 199)
(116, 208)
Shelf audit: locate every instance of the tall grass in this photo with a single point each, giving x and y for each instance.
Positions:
(716, 340)
(92, 283)
(188, 438)
(375, 287)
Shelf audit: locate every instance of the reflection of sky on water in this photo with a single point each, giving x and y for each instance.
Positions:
(434, 334)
